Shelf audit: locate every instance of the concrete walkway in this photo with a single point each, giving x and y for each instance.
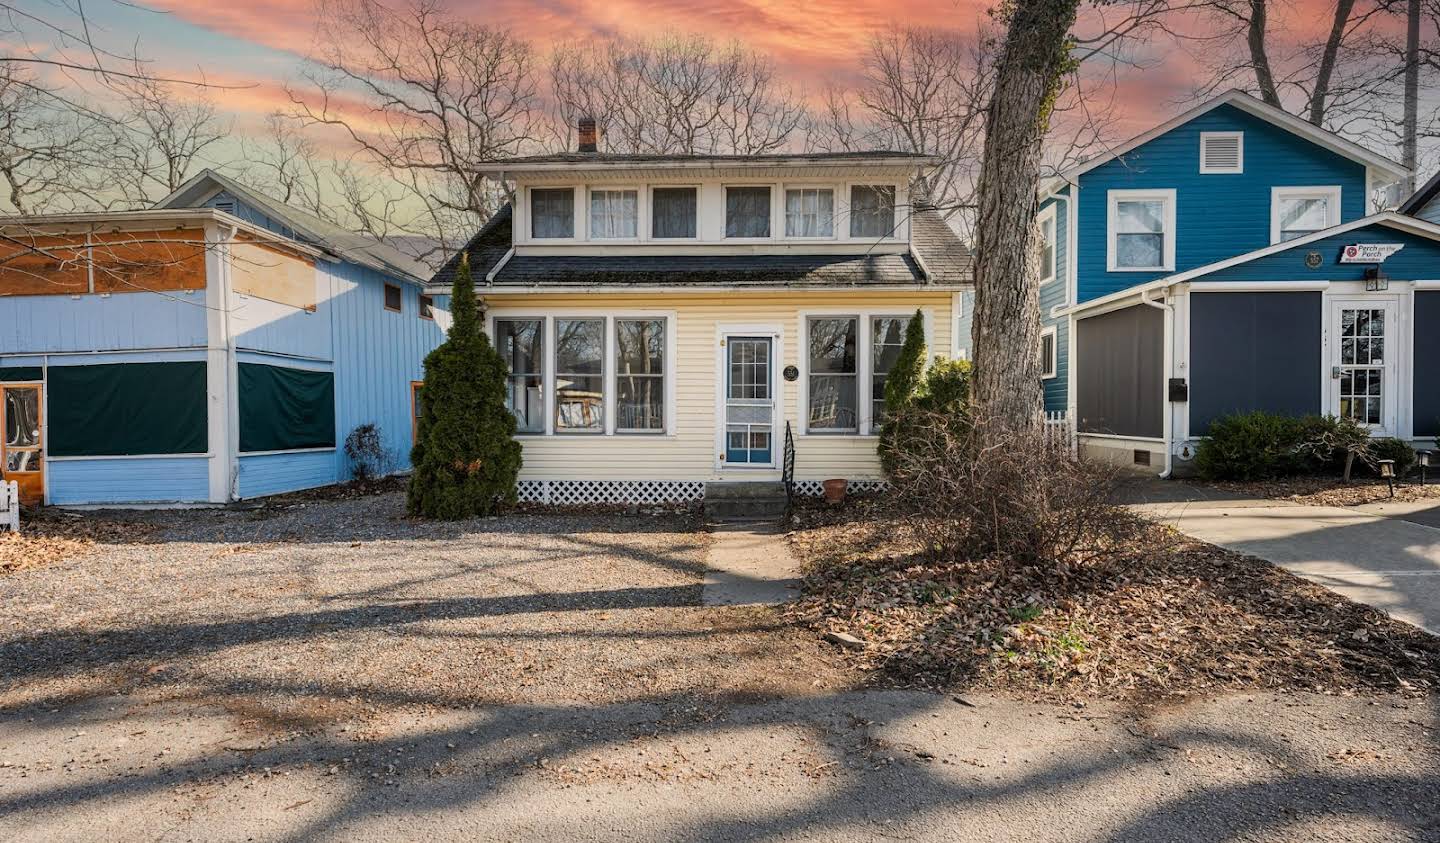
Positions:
(749, 564)
(1372, 554)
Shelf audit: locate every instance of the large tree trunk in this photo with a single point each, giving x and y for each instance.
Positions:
(1006, 391)
(1410, 131)
(1321, 92)
(1259, 56)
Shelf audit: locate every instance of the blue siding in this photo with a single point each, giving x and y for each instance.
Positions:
(1217, 216)
(267, 326)
(1430, 211)
(271, 474)
(102, 323)
(1055, 294)
(146, 480)
(252, 215)
(1419, 260)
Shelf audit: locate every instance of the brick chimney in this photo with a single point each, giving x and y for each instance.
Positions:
(589, 137)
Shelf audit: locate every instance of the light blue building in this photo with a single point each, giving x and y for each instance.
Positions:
(216, 348)
(1235, 258)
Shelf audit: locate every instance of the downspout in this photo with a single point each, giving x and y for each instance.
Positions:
(499, 265)
(1167, 420)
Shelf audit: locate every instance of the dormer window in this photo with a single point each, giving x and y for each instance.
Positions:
(747, 212)
(872, 211)
(614, 214)
(809, 212)
(673, 212)
(1222, 152)
(552, 213)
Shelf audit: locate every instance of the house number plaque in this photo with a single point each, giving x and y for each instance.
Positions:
(791, 373)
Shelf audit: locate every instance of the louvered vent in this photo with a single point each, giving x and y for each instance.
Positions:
(225, 206)
(1222, 152)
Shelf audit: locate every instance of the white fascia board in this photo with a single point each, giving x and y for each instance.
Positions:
(199, 216)
(518, 169)
(708, 289)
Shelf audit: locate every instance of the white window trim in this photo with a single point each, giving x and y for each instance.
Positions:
(1113, 198)
(547, 380)
(834, 206)
(1048, 215)
(1240, 153)
(1051, 365)
(649, 216)
(1330, 193)
(579, 216)
(777, 212)
(901, 232)
(863, 376)
(641, 207)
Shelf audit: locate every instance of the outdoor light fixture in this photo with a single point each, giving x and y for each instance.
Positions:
(1422, 458)
(1387, 470)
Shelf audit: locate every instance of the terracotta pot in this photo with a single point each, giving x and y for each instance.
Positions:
(834, 490)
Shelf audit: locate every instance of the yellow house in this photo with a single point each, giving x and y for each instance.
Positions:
(673, 321)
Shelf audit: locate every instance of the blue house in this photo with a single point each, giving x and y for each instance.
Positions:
(218, 347)
(1233, 259)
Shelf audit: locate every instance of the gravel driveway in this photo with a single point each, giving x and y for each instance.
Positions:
(330, 670)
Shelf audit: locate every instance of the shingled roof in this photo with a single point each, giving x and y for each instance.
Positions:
(943, 260)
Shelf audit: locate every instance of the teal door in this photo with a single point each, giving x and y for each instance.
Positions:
(749, 401)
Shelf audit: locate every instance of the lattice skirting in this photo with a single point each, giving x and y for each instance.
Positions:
(645, 492)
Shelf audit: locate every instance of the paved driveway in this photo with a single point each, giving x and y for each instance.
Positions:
(336, 672)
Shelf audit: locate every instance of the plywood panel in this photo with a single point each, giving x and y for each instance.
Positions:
(35, 265)
(123, 262)
(268, 273)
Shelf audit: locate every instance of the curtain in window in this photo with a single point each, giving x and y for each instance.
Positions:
(1140, 233)
(640, 374)
(614, 214)
(580, 375)
(747, 212)
(809, 212)
(887, 336)
(552, 213)
(833, 374)
(520, 343)
(1299, 217)
(872, 211)
(673, 214)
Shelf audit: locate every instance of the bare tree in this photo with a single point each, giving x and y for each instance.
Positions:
(48, 153)
(161, 133)
(422, 97)
(671, 94)
(284, 162)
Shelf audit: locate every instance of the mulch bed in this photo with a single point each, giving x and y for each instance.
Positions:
(1170, 618)
(49, 536)
(1334, 491)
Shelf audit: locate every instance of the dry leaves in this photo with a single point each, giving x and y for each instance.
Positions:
(1333, 491)
(51, 537)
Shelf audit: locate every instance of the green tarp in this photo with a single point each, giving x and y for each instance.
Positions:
(20, 373)
(127, 408)
(284, 409)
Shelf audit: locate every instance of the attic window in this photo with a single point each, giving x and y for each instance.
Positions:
(1222, 152)
(392, 297)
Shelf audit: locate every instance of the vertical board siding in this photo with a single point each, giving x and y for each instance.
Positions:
(117, 322)
(690, 453)
(266, 326)
(125, 481)
(1055, 294)
(271, 474)
(965, 325)
(1217, 215)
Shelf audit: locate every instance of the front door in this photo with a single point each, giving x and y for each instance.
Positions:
(20, 454)
(749, 401)
(1362, 366)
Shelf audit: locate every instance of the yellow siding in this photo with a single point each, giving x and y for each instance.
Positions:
(691, 453)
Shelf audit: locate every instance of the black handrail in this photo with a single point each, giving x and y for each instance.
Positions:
(787, 469)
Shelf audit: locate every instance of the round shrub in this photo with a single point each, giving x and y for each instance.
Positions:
(1393, 449)
(1251, 446)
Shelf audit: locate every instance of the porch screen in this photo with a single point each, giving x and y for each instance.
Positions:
(1253, 351)
(20, 373)
(118, 409)
(1119, 378)
(283, 409)
(1427, 355)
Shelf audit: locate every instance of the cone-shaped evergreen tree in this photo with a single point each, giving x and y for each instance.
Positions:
(465, 457)
(900, 387)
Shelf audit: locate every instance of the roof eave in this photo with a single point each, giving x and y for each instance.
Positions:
(520, 165)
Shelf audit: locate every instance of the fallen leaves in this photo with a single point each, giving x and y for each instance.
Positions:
(51, 537)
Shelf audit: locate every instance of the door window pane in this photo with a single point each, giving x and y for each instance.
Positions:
(519, 342)
(640, 374)
(872, 211)
(614, 214)
(673, 214)
(22, 417)
(833, 374)
(747, 212)
(579, 375)
(887, 336)
(552, 212)
(1140, 233)
(809, 212)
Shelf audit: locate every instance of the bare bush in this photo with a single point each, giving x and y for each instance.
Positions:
(985, 493)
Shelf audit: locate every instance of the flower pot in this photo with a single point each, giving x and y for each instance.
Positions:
(834, 490)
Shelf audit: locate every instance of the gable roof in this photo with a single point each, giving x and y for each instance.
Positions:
(937, 257)
(1420, 198)
(342, 243)
(1257, 108)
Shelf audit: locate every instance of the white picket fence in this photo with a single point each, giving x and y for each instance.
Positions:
(1060, 432)
(10, 505)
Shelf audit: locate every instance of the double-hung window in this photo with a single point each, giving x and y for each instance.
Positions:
(1048, 353)
(834, 374)
(552, 213)
(1142, 230)
(520, 342)
(809, 212)
(872, 211)
(614, 214)
(639, 375)
(673, 213)
(747, 212)
(1301, 211)
(579, 375)
(1046, 246)
(887, 336)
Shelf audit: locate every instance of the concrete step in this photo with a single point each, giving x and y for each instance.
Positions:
(745, 501)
